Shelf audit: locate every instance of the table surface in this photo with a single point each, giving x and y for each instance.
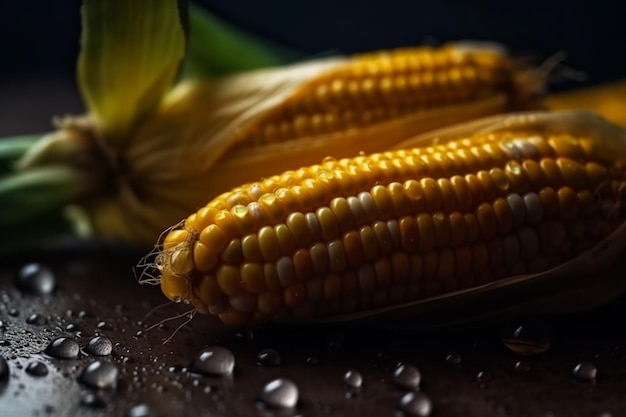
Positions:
(97, 293)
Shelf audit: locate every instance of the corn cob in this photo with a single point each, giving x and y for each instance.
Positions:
(490, 200)
(209, 135)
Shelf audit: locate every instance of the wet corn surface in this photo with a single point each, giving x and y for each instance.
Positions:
(572, 365)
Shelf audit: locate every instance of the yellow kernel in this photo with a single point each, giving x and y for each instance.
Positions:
(432, 194)
(204, 257)
(234, 318)
(225, 221)
(441, 226)
(369, 243)
(295, 295)
(426, 228)
(319, 258)
(302, 264)
(174, 287)
(252, 277)
(214, 237)
(272, 281)
(229, 279)
(328, 223)
(268, 243)
(568, 203)
(487, 220)
(251, 248)
(209, 291)
(175, 237)
(332, 286)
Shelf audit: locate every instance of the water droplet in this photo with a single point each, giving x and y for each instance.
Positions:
(63, 348)
(71, 327)
(268, 357)
(36, 319)
(37, 368)
(103, 325)
(35, 278)
(4, 369)
(585, 371)
(521, 366)
(526, 338)
(99, 374)
(4, 342)
(415, 404)
(312, 360)
(215, 360)
(142, 410)
(353, 379)
(99, 346)
(453, 358)
(279, 393)
(92, 401)
(13, 312)
(407, 376)
(2, 325)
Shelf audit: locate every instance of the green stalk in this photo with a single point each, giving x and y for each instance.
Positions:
(26, 194)
(215, 48)
(12, 149)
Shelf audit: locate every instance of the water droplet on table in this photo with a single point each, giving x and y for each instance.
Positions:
(142, 410)
(93, 401)
(279, 393)
(407, 376)
(37, 368)
(353, 379)
(36, 319)
(34, 278)
(268, 357)
(526, 337)
(215, 360)
(415, 404)
(4, 369)
(585, 371)
(103, 325)
(99, 374)
(63, 348)
(453, 358)
(99, 346)
(521, 366)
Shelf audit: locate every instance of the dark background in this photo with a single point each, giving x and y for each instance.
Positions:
(39, 40)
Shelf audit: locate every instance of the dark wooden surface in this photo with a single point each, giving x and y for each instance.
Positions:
(97, 285)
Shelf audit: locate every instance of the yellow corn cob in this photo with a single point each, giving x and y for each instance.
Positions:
(608, 100)
(383, 85)
(397, 227)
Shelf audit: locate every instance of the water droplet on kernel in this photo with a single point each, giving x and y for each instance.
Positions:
(63, 348)
(100, 375)
(415, 404)
(34, 278)
(585, 371)
(215, 360)
(407, 376)
(37, 368)
(268, 357)
(99, 346)
(279, 393)
(353, 379)
(526, 338)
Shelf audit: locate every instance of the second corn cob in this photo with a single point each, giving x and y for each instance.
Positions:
(496, 199)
